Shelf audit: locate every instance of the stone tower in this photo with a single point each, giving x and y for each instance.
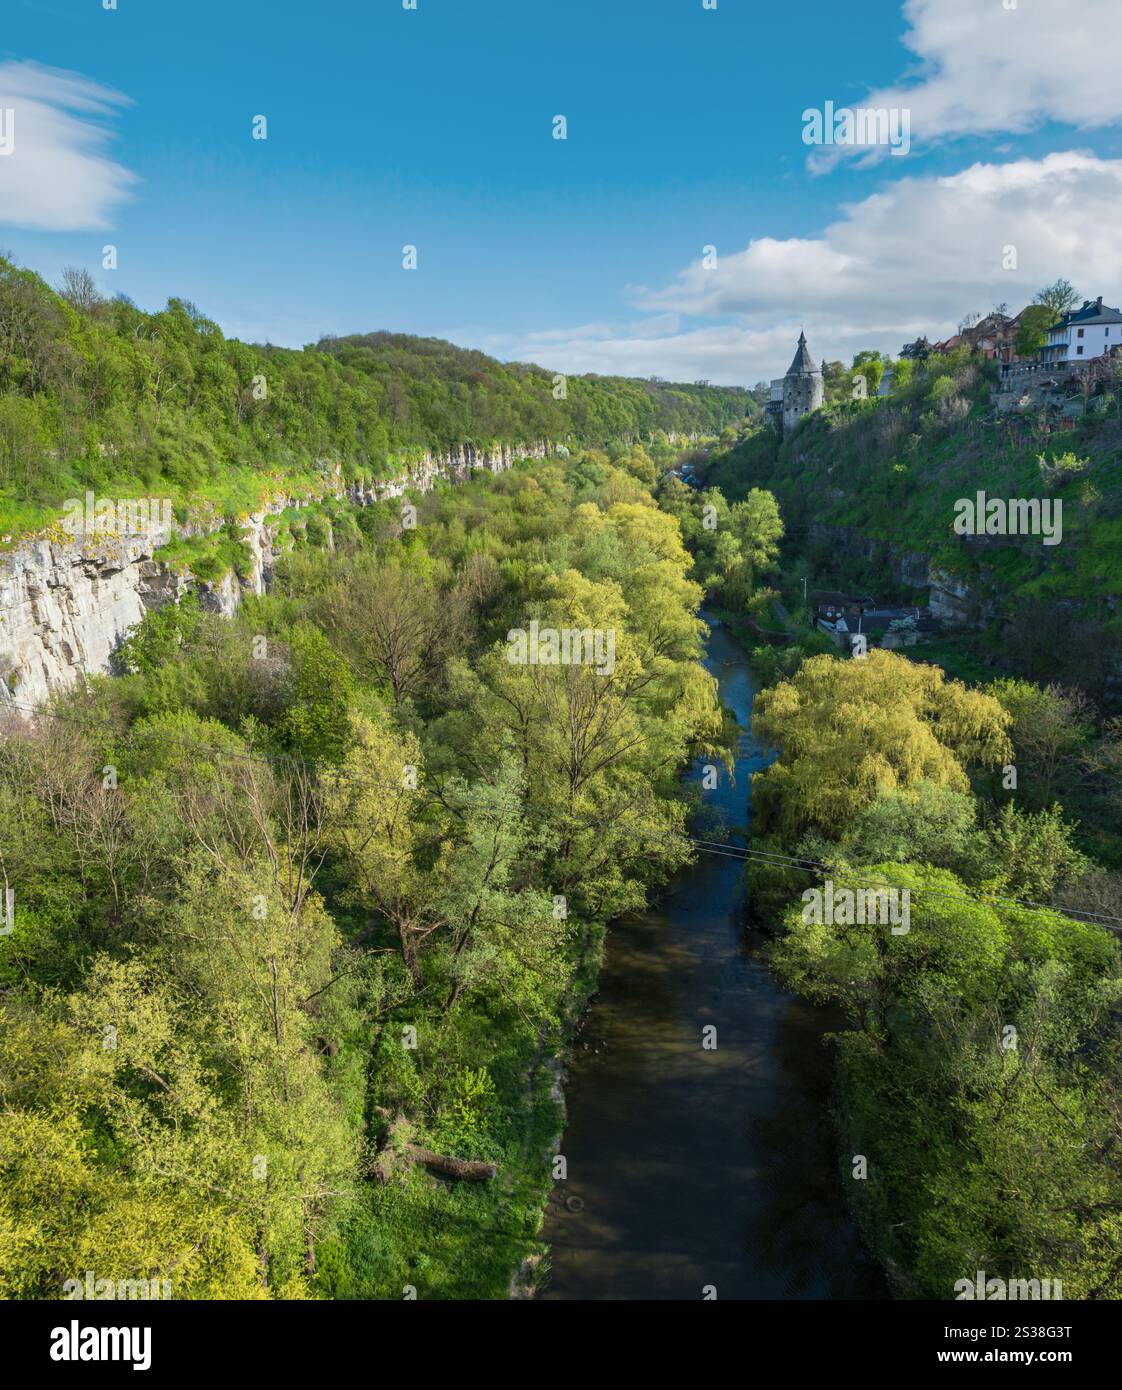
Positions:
(802, 387)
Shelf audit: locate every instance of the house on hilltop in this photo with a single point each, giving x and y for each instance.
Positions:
(1082, 334)
(1083, 348)
(993, 337)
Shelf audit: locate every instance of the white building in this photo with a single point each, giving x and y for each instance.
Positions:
(1082, 334)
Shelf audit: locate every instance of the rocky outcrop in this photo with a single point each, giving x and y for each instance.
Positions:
(457, 465)
(953, 600)
(66, 604)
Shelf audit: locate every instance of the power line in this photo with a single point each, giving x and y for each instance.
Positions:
(726, 849)
(747, 854)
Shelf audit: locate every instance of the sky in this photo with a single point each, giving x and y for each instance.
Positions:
(683, 228)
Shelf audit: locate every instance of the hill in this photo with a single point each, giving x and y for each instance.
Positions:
(435, 393)
(100, 394)
(868, 491)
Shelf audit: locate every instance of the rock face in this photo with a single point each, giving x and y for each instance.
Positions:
(952, 600)
(954, 603)
(65, 606)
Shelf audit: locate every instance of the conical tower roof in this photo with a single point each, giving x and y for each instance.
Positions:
(803, 362)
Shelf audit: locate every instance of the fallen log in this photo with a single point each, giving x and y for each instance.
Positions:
(460, 1169)
(394, 1145)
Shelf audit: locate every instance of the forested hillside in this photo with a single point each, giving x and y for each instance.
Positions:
(976, 1064)
(884, 475)
(301, 906)
(306, 900)
(304, 903)
(100, 394)
(436, 394)
(977, 1083)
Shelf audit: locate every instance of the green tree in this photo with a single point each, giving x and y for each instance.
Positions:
(320, 692)
(850, 730)
(1032, 332)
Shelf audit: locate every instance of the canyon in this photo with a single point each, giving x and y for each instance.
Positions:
(65, 605)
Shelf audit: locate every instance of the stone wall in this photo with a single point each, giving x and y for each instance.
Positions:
(802, 393)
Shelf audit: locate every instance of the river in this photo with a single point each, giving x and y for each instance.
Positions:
(693, 1169)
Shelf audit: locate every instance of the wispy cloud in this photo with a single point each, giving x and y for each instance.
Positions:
(984, 68)
(57, 176)
(725, 353)
(910, 259)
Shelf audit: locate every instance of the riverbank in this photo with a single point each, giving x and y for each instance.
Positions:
(699, 1149)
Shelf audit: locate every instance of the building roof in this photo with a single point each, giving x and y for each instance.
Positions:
(1093, 311)
(803, 363)
(992, 323)
(834, 598)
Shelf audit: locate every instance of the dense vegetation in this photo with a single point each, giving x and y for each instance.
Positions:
(436, 394)
(977, 1091)
(864, 483)
(100, 394)
(309, 897)
(307, 901)
(979, 1076)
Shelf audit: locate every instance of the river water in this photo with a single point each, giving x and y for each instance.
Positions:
(690, 1168)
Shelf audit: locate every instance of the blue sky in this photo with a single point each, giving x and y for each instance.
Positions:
(433, 127)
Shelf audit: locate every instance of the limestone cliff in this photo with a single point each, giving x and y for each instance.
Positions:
(65, 606)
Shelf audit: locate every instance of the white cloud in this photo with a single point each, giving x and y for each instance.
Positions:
(56, 177)
(913, 258)
(985, 69)
(724, 354)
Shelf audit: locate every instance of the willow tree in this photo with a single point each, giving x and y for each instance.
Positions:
(253, 964)
(979, 1080)
(373, 807)
(849, 730)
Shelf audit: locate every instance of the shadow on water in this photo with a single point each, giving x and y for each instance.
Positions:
(689, 1167)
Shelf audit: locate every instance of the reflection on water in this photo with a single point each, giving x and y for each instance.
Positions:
(687, 1167)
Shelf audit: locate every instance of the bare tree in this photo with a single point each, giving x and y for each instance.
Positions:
(1058, 297)
(79, 290)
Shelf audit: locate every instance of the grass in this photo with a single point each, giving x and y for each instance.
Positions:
(236, 494)
(19, 519)
(210, 557)
(864, 487)
(957, 656)
(467, 1240)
